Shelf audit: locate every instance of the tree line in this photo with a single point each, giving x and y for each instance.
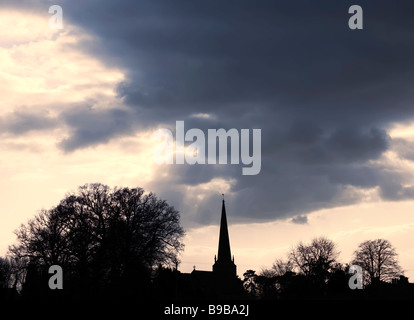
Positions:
(312, 270)
(125, 243)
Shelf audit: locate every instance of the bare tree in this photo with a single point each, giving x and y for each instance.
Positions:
(378, 259)
(281, 267)
(315, 259)
(12, 272)
(43, 240)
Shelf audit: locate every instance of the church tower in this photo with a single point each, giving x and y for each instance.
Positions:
(224, 267)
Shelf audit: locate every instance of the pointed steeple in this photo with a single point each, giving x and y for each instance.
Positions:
(224, 252)
(224, 266)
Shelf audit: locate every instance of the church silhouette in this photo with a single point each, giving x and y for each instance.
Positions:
(224, 266)
(220, 283)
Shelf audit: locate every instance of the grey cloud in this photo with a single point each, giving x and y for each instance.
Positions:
(290, 57)
(362, 176)
(404, 148)
(347, 145)
(393, 190)
(322, 94)
(302, 219)
(308, 144)
(23, 121)
(93, 126)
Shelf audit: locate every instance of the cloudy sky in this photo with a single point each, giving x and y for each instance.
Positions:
(335, 108)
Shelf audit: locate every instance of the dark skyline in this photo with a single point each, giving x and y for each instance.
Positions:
(334, 107)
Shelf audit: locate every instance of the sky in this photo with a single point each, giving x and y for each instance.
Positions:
(80, 105)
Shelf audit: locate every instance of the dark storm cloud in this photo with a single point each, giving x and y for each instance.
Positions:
(308, 144)
(323, 95)
(292, 60)
(93, 126)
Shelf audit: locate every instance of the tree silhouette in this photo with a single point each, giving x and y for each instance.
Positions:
(5, 273)
(316, 259)
(378, 259)
(107, 241)
(281, 267)
(249, 283)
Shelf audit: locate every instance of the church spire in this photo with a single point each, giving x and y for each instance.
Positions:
(224, 253)
(224, 266)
